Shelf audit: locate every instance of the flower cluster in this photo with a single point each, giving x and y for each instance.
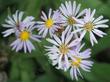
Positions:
(22, 28)
(65, 29)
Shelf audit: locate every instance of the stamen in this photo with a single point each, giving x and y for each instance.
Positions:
(89, 26)
(77, 62)
(24, 35)
(64, 49)
(71, 21)
(49, 23)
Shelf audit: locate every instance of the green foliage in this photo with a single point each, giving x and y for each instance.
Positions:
(100, 73)
(36, 67)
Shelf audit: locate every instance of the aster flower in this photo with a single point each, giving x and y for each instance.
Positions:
(23, 41)
(92, 25)
(59, 52)
(70, 10)
(79, 60)
(50, 23)
(15, 22)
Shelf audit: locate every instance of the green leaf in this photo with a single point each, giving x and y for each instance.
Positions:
(14, 72)
(47, 78)
(99, 73)
(27, 70)
(103, 43)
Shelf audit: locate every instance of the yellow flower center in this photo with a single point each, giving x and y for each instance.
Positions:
(49, 23)
(71, 21)
(64, 49)
(77, 62)
(89, 26)
(24, 35)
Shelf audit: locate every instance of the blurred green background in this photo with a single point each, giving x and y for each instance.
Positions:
(35, 67)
